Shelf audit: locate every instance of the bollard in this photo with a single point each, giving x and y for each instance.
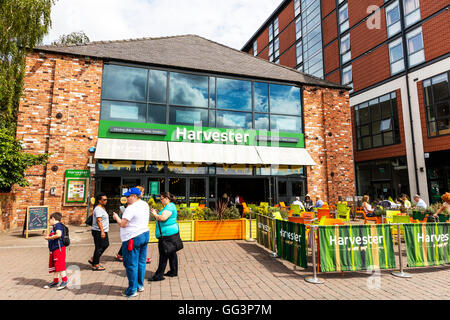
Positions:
(314, 279)
(400, 274)
(274, 243)
(250, 239)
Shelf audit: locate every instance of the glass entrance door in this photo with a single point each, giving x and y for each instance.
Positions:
(286, 189)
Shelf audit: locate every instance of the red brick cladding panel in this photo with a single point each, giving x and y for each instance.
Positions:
(357, 9)
(429, 144)
(334, 77)
(436, 36)
(397, 150)
(70, 86)
(287, 38)
(264, 54)
(362, 39)
(289, 58)
(331, 55)
(329, 28)
(327, 7)
(371, 69)
(263, 40)
(328, 139)
(428, 7)
(286, 16)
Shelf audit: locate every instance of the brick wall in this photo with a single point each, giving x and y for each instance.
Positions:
(372, 68)
(435, 143)
(327, 7)
(436, 37)
(289, 58)
(55, 85)
(428, 7)
(357, 9)
(334, 77)
(328, 139)
(286, 16)
(331, 56)
(329, 26)
(287, 38)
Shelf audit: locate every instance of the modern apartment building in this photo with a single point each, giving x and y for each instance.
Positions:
(395, 56)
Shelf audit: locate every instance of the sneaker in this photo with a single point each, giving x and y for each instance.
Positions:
(51, 285)
(119, 258)
(141, 289)
(62, 285)
(130, 296)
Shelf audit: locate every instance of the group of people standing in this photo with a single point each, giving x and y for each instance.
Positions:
(134, 234)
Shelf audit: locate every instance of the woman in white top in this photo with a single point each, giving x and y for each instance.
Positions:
(100, 229)
(368, 210)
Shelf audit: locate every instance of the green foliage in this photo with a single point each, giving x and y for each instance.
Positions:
(199, 214)
(14, 162)
(231, 213)
(74, 38)
(184, 214)
(23, 24)
(379, 211)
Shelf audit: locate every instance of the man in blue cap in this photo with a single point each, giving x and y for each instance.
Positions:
(135, 235)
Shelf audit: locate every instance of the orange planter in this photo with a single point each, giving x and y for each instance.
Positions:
(219, 230)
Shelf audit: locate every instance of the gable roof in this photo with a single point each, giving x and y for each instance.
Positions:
(190, 52)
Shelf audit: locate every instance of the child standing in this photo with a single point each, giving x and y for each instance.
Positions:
(57, 261)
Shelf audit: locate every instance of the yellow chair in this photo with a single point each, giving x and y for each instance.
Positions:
(399, 219)
(277, 216)
(263, 204)
(390, 215)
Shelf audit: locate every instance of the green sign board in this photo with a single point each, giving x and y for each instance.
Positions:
(291, 242)
(265, 231)
(154, 187)
(165, 132)
(77, 174)
(357, 247)
(427, 244)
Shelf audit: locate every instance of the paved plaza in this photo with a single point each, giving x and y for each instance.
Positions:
(217, 270)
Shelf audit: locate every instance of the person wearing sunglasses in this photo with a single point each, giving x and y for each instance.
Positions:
(100, 229)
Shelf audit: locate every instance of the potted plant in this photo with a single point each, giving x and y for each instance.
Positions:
(379, 213)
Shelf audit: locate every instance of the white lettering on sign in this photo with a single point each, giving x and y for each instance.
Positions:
(264, 227)
(356, 240)
(214, 135)
(432, 238)
(290, 235)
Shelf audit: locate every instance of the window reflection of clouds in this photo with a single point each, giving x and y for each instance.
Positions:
(285, 99)
(156, 114)
(123, 111)
(285, 123)
(188, 116)
(234, 120)
(261, 121)
(157, 86)
(234, 94)
(188, 90)
(124, 83)
(261, 97)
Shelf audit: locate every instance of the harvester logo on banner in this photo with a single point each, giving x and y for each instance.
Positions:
(291, 235)
(264, 234)
(291, 242)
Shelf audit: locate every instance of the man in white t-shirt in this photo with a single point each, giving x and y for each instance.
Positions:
(419, 202)
(135, 235)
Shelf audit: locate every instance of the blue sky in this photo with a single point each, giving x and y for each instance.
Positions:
(230, 22)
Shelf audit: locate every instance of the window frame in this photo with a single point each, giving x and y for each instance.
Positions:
(433, 104)
(343, 25)
(397, 23)
(392, 45)
(410, 35)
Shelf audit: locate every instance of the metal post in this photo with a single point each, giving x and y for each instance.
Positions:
(274, 253)
(400, 274)
(251, 239)
(314, 279)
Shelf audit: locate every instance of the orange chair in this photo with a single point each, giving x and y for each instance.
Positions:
(201, 206)
(245, 209)
(359, 212)
(367, 219)
(332, 210)
(323, 213)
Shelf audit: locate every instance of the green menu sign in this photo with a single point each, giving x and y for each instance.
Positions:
(154, 187)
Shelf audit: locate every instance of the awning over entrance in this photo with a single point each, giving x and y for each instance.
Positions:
(200, 153)
(131, 150)
(212, 153)
(285, 156)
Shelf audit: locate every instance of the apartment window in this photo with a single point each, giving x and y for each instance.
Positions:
(437, 105)
(275, 27)
(396, 56)
(377, 122)
(412, 11)
(393, 19)
(299, 52)
(343, 18)
(298, 28)
(276, 48)
(296, 7)
(346, 54)
(416, 53)
(271, 51)
(255, 48)
(347, 78)
(270, 32)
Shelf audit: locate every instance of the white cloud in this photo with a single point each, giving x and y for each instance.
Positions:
(230, 22)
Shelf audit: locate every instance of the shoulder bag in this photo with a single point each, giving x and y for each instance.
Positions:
(170, 244)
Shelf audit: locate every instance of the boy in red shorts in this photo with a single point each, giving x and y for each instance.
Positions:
(57, 261)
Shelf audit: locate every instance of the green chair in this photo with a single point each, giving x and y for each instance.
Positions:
(263, 204)
(390, 215)
(295, 209)
(343, 212)
(399, 219)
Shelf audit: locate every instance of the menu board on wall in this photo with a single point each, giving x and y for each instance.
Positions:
(76, 184)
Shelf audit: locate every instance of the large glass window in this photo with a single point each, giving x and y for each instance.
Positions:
(188, 116)
(157, 87)
(285, 123)
(396, 56)
(124, 83)
(285, 99)
(377, 122)
(416, 53)
(234, 94)
(296, 7)
(393, 19)
(188, 90)
(312, 55)
(261, 97)
(437, 105)
(123, 111)
(236, 120)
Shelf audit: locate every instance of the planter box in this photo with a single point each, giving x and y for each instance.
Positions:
(186, 230)
(219, 230)
(247, 229)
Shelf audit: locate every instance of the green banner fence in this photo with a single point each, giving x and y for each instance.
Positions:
(291, 242)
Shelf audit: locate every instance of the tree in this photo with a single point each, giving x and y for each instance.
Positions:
(23, 24)
(14, 162)
(77, 37)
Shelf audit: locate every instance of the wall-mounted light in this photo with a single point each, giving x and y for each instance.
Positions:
(59, 115)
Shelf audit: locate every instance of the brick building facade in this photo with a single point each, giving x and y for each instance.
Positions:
(61, 113)
(377, 47)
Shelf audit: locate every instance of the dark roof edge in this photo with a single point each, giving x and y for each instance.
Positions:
(276, 11)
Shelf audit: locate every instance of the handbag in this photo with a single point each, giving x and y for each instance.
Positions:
(168, 246)
(89, 220)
